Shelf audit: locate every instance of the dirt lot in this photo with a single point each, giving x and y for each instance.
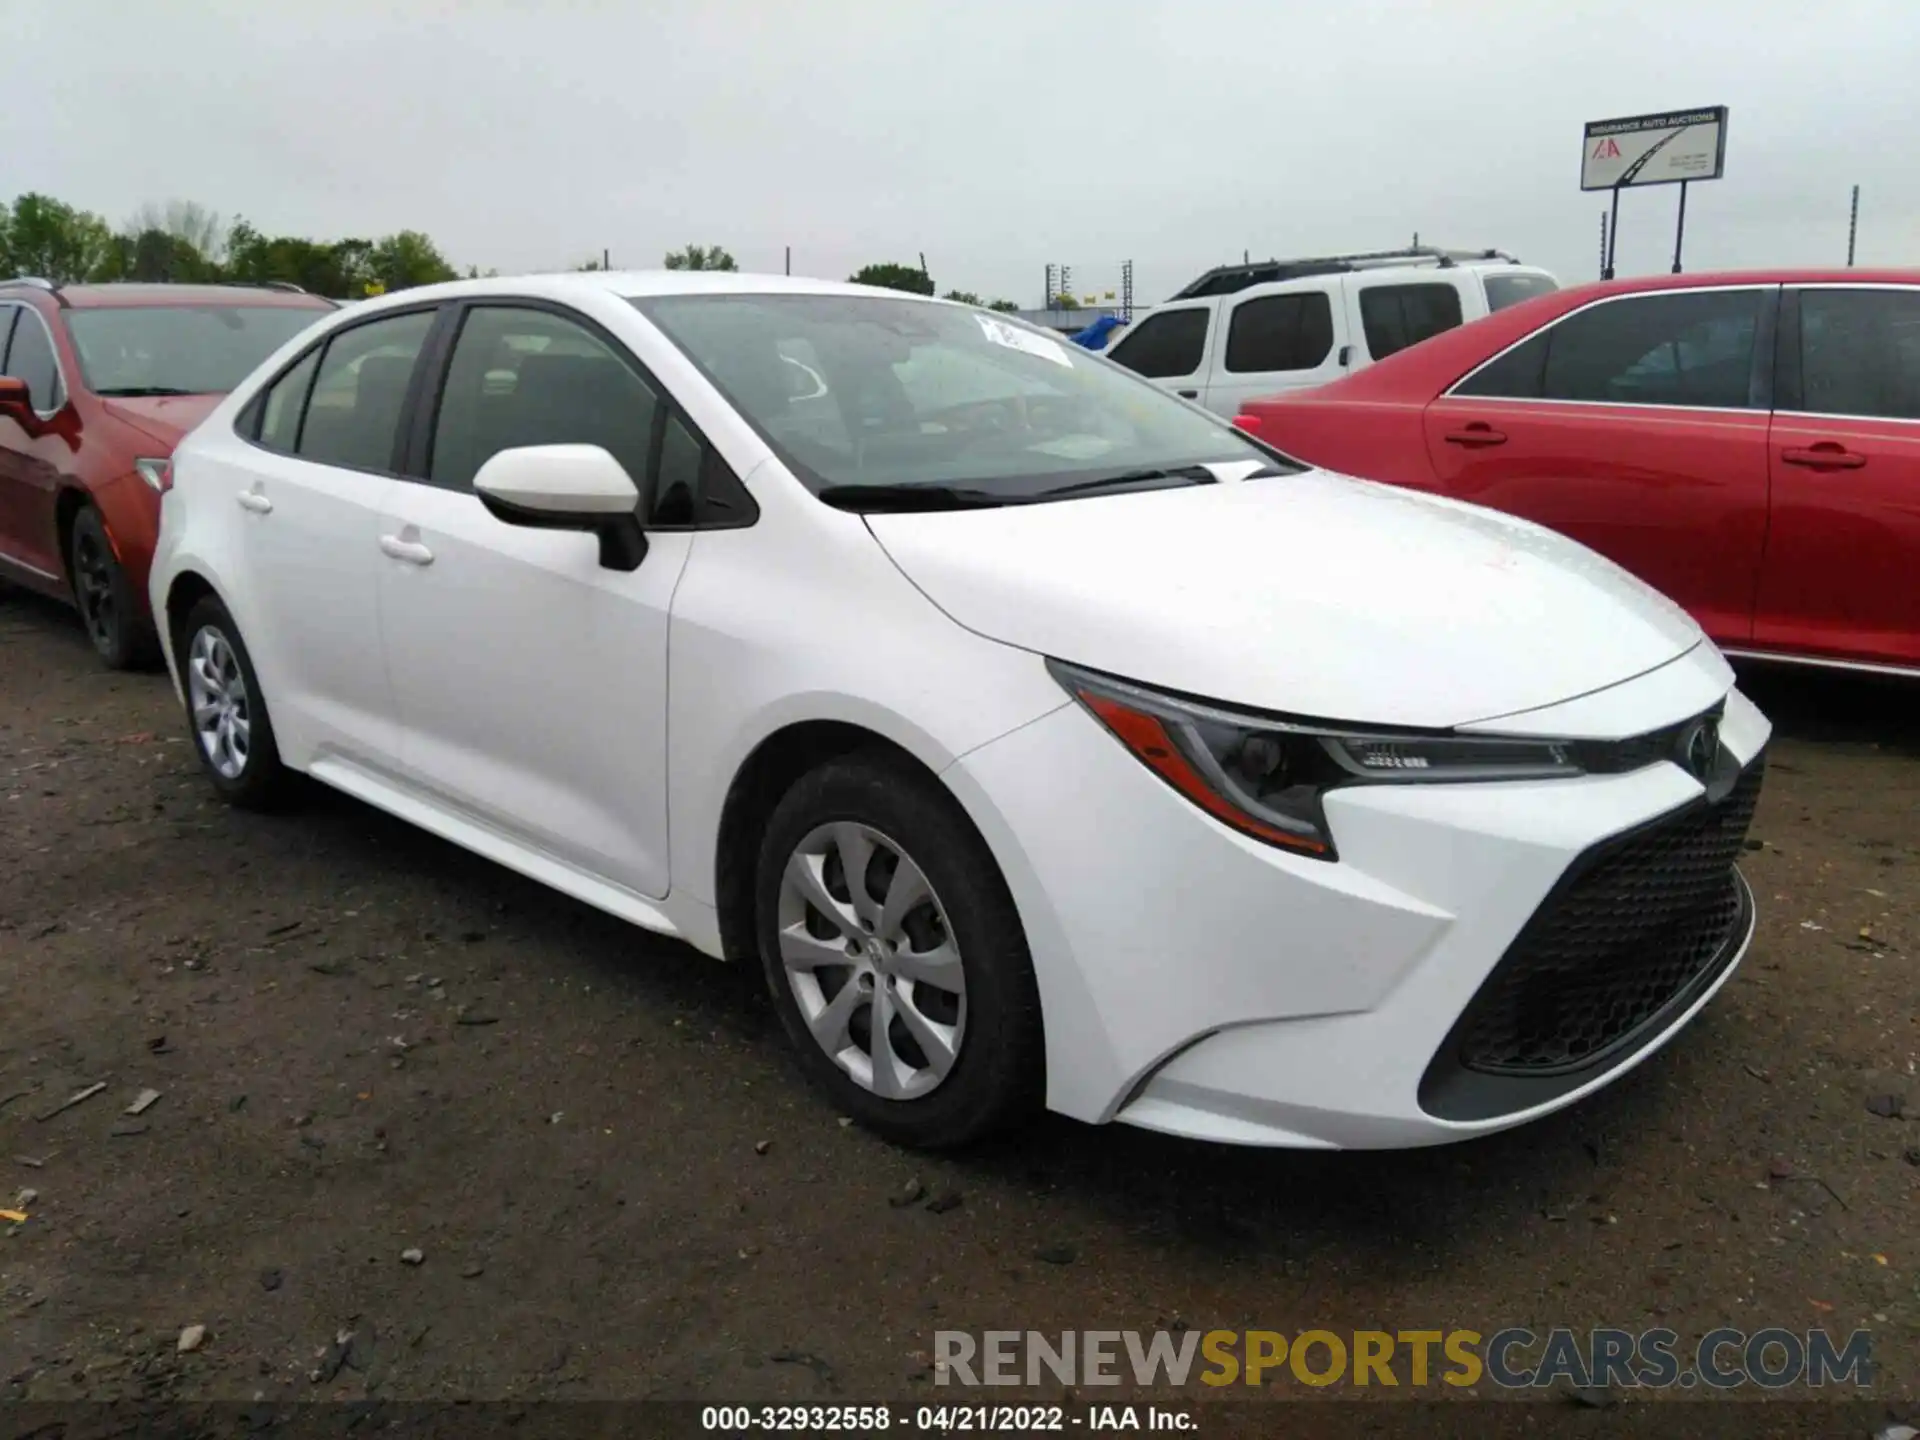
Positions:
(367, 1042)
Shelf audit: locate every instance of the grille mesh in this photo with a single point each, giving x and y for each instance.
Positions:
(1639, 924)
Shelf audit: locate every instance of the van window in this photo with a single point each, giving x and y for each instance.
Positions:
(1396, 316)
(1280, 332)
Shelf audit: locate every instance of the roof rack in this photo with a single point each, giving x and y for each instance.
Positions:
(1226, 279)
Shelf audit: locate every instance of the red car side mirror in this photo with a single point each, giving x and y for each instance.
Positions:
(15, 401)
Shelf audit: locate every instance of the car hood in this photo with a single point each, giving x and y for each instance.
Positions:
(1311, 595)
(165, 418)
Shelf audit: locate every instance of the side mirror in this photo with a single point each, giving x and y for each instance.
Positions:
(567, 487)
(16, 402)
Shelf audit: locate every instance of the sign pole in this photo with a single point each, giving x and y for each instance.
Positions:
(1613, 234)
(1853, 225)
(1680, 228)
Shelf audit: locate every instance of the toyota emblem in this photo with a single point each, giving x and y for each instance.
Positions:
(1699, 748)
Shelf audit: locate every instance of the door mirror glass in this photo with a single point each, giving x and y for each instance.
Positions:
(567, 487)
(15, 401)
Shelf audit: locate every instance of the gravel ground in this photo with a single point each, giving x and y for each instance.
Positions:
(371, 1048)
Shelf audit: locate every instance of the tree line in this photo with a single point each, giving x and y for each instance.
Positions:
(183, 242)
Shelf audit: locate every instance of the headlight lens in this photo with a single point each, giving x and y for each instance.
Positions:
(1267, 777)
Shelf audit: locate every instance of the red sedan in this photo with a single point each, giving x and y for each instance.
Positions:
(1747, 443)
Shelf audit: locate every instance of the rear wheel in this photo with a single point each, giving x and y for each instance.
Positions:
(109, 606)
(232, 731)
(895, 956)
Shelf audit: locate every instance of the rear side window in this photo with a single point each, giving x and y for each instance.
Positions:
(1679, 348)
(529, 377)
(1396, 316)
(1164, 345)
(353, 414)
(1860, 353)
(1280, 332)
(7, 314)
(1505, 290)
(30, 358)
(1515, 375)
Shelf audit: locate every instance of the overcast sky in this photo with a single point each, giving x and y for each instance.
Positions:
(994, 136)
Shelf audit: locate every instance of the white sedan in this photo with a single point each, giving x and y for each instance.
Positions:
(1047, 740)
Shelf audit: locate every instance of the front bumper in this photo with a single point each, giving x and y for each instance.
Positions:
(1198, 982)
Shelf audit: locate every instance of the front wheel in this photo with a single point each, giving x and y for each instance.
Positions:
(109, 607)
(895, 956)
(232, 731)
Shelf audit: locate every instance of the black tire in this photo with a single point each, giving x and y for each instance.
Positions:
(261, 782)
(110, 608)
(997, 1079)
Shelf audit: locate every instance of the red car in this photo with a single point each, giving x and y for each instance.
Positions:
(97, 385)
(1747, 443)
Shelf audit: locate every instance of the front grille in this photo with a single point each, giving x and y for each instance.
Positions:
(1634, 928)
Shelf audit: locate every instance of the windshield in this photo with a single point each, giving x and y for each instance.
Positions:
(852, 390)
(180, 349)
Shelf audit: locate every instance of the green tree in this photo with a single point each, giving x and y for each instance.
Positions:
(50, 238)
(1005, 307)
(402, 261)
(910, 278)
(343, 269)
(157, 256)
(186, 220)
(699, 257)
(965, 297)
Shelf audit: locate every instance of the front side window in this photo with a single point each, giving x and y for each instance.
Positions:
(1164, 346)
(1280, 332)
(1396, 316)
(863, 391)
(180, 349)
(1679, 348)
(360, 393)
(1860, 353)
(30, 358)
(530, 377)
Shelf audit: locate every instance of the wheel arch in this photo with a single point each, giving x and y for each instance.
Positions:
(67, 505)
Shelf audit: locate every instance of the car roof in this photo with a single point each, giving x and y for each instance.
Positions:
(130, 294)
(627, 285)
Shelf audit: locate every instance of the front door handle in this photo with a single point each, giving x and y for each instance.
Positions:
(1823, 455)
(1475, 433)
(411, 551)
(256, 502)
(1188, 394)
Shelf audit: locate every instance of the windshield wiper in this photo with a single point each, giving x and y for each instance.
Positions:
(898, 498)
(1197, 474)
(141, 392)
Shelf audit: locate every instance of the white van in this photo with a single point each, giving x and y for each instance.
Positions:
(1244, 331)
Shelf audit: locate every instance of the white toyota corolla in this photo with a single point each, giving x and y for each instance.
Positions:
(1046, 739)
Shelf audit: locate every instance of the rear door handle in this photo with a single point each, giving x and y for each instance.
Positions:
(1823, 455)
(1475, 433)
(256, 502)
(1188, 394)
(411, 551)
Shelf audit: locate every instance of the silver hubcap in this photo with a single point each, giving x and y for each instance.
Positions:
(871, 961)
(217, 691)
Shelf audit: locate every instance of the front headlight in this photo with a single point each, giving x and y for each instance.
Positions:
(1267, 777)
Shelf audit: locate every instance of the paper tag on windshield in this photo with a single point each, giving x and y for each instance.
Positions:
(1014, 338)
